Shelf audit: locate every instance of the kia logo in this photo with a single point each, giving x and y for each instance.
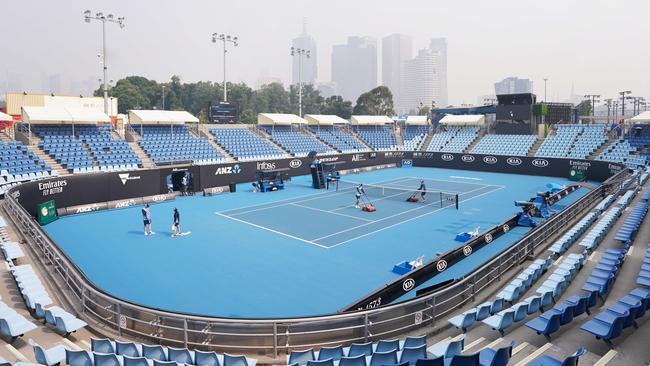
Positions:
(540, 163)
(408, 284)
(467, 250)
(513, 161)
(447, 157)
(490, 159)
(441, 265)
(467, 158)
(295, 163)
(488, 238)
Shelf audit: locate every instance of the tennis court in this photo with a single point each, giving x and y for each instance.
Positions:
(293, 252)
(345, 222)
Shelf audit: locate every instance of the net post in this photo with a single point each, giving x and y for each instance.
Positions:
(441, 201)
(457, 201)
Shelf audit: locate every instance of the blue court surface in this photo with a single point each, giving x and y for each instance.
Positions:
(293, 252)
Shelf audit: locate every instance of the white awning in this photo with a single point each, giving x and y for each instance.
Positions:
(641, 118)
(463, 119)
(5, 117)
(371, 120)
(417, 120)
(268, 119)
(324, 119)
(62, 115)
(154, 117)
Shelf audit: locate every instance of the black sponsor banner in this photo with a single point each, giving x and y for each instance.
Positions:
(552, 167)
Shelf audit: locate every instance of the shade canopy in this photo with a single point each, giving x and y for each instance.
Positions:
(416, 120)
(463, 119)
(641, 118)
(324, 119)
(371, 120)
(5, 117)
(157, 117)
(62, 115)
(269, 119)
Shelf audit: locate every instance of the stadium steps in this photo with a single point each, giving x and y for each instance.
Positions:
(427, 140)
(535, 147)
(49, 160)
(4, 137)
(398, 136)
(217, 147)
(602, 148)
(266, 136)
(482, 132)
(307, 131)
(351, 132)
(130, 135)
(146, 161)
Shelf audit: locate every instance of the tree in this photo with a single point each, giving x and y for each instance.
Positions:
(337, 106)
(378, 101)
(247, 116)
(312, 101)
(585, 108)
(423, 110)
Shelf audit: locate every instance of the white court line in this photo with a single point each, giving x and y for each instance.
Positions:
(407, 220)
(330, 212)
(311, 198)
(395, 215)
(461, 177)
(451, 181)
(271, 230)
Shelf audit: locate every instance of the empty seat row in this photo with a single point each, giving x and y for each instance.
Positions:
(381, 137)
(644, 274)
(571, 235)
(600, 230)
(524, 280)
(243, 144)
(518, 145)
(632, 222)
(453, 139)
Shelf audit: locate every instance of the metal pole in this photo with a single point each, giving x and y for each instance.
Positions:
(163, 101)
(225, 87)
(299, 84)
(105, 67)
(545, 79)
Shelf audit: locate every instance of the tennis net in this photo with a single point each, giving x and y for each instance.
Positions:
(386, 192)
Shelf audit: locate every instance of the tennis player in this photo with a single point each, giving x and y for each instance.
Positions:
(146, 218)
(359, 191)
(423, 191)
(176, 226)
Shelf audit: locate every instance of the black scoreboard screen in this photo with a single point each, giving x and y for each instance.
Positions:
(222, 113)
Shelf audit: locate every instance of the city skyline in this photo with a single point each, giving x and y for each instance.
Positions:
(481, 52)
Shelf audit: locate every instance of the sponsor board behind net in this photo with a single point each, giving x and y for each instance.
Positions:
(490, 159)
(467, 158)
(513, 160)
(447, 157)
(295, 163)
(235, 169)
(540, 163)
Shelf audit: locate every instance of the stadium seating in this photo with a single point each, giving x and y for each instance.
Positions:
(453, 139)
(48, 357)
(110, 154)
(573, 141)
(378, 137)
(414, 136)
(166, 144)
(243, 144)
(19, 164)
(337, 137)
(546, 360)
(622, 151)
(570, 236)
(517, 145)
(296, 141)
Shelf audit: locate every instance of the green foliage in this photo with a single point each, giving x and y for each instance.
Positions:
(136, 92)
(378, 101)
(585, 108)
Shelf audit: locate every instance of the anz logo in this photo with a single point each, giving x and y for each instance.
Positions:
(490, 159)
(540, 163)
(467, 158)
(235, 169)
(513, 161)
(447, 157)
(408, 284)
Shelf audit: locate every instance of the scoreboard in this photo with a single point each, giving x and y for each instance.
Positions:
(222, 112)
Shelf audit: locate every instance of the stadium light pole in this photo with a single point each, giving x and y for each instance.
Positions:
(163, 97)
(593, 98)
(623, 95)
(608, 103)
(109, 18)
(225, 38)
(300, 52)
(545, 80)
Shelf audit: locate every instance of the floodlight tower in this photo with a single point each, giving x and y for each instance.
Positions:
(225, 38)
(300, 52)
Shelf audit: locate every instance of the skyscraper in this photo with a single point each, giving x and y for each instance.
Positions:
(439, 47)
(421, 81)
(309, 65)
(354, 66)
(396, 48)
(513, 85)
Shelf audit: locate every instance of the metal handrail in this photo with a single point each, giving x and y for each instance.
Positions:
(275, 335)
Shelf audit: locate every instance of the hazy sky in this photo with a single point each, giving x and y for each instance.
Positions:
(600, 46)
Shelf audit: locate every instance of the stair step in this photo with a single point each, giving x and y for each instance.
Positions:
(146, 161)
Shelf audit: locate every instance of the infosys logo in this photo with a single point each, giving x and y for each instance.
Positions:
(295, 163)
(125, 177)
(447, 157)
(513, 161)
(540, 163)
(235, 169)
(489, 159)
(263, 165)
(467, 158)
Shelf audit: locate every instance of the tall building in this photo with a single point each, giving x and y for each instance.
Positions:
(439, 47)
(395, 49)
(513, 85)
(421, 82)
(354, 66)
(309, 65)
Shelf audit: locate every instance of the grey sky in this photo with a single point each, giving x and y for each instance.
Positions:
(601, 46)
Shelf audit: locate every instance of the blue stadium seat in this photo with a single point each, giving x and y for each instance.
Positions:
(545, 360)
